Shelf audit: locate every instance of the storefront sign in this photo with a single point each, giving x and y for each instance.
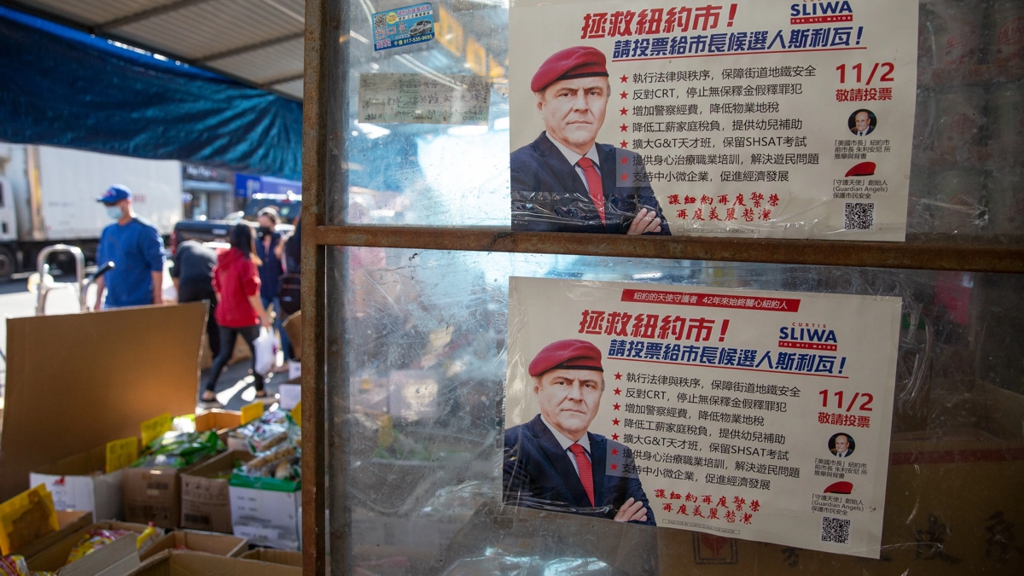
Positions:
(747, 414)
(754, 119)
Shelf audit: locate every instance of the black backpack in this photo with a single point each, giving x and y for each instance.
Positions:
(290, 294)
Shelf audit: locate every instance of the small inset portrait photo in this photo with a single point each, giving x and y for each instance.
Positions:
(841, 445)
(863, 122)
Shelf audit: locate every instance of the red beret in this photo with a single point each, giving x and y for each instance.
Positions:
(567, 354)
(575, 62)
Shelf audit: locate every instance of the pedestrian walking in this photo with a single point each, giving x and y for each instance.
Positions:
(134, 245)
(271, 271)
(240, 310)
(192, 273)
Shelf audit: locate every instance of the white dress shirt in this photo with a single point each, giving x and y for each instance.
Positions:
(565, 443)
(573, 158)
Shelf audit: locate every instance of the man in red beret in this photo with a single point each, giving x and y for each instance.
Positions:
(565, 181)
(553, 461)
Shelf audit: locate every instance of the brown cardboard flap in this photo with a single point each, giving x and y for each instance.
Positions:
(286, 557)
(70, 521)
(221, 463)
(82, 464)
(52, 558)
(208, 542)
(185, 563)
(78, 381)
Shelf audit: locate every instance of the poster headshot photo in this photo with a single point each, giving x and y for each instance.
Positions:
(553, 461)
(566, 180)
(841, 445)
(862, 122)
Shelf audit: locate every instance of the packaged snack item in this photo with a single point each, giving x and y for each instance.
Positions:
(277, 464)
(93, 541)
(13, 566)
(26, 518)
(180, 449)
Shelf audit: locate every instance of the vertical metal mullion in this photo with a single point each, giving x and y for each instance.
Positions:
(314, 494)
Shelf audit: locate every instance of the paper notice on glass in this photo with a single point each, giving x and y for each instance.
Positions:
(420, 99)
(740, 119)
(747, 414)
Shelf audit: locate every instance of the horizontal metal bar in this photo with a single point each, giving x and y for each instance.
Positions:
(250, 47)
(925, 252)
(282, 80)
(147, 14)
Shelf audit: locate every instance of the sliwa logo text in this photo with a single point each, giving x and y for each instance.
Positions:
(808, 337)
(820, 11)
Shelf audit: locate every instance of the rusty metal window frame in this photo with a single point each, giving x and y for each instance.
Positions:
(324, 20)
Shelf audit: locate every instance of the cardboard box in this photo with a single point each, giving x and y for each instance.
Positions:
(286, 557)
(267, 517)
(54, 557)
(184, 563)
(208, 542)
(205, 498)
(153, 495)
(217, 419)
(70, 521)
(64, 395)
(78, 483)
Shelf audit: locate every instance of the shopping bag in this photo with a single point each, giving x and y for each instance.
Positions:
(266, 352)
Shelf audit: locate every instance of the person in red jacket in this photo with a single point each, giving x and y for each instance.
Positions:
(240, 311)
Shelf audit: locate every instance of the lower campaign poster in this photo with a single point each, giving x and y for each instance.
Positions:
(747, 414)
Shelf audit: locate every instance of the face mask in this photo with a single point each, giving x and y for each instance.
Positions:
(114, 212)
(264, 230)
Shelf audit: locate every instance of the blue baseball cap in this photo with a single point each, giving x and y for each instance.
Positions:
(115, 194)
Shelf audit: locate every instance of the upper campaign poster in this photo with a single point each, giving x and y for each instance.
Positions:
(741, 413)
(742, 119)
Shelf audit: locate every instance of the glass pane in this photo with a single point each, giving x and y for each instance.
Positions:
(965, 181)
(416, 368)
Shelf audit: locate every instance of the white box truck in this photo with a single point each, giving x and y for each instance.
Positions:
(48, 196)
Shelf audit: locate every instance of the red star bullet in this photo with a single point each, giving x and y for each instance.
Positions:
(618, 376)
(625, 177)
(624, 111)
(616, 406)
(624, 128)
(624, 78)
(615, 451)
(615, 466)
(615, 437)
(624, 143)
(618, 392)
(624, 95)
(615, 422)
(624, 161)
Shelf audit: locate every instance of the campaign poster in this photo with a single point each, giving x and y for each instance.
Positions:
(740, 413)
(734, 119)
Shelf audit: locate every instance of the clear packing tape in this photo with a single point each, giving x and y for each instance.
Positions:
(418, 428)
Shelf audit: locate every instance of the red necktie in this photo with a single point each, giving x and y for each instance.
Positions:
(586, 472)
(593, 176)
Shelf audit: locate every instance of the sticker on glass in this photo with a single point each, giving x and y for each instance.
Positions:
(403, 26)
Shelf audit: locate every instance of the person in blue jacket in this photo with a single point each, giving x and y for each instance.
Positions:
(135, 247)
(553, 462)
(565, 181)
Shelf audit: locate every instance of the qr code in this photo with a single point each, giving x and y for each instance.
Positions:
(860, 216)
(835, 530)
(380, 20)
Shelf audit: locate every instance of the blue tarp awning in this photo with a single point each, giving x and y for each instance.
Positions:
(63, 87)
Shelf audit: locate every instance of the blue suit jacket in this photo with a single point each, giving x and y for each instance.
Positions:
(549, 196)
(537, 473)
